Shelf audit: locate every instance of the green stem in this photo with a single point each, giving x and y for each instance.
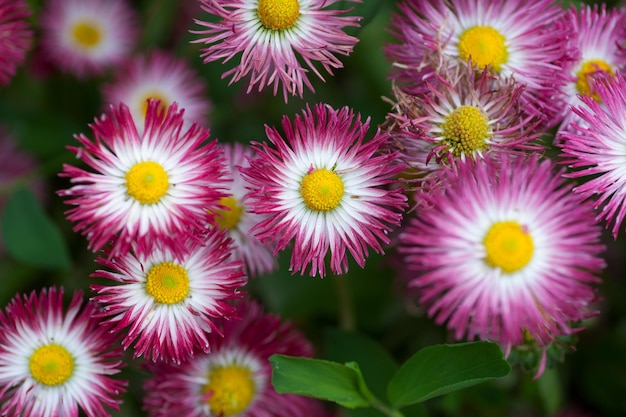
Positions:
(391, 412)
(347, 320)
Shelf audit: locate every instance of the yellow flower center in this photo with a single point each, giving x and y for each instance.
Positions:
(485, 45)
(147, 182)
(86, 34)
(163, 105)
(278, 14)
(230, 390)
(168, 283)
(466, 130)
(322, 190)
(586, 73)
(228, 219)
(51, 365)
(509, 246)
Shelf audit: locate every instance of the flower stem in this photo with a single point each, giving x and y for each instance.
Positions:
(347, 320)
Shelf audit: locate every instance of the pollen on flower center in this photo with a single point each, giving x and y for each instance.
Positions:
(230, 390)
(586, 73)
(86, 34)
(228, 219)
(163, 103)
(466, 130)
(147, 182)
(485, 45)
(509, 246)
(322, 190)
(278, 14)
(51, 365)
(167, 282)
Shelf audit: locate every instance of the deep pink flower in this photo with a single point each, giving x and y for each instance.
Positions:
(15, 37)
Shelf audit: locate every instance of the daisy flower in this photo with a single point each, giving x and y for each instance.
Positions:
(503, 251)
(53, 363)
(235, 378)
(596, 149)
(153, 186)
(86, 37)
(324, 188)
(461, 115)
(169, 304)
(15, 37)
(512, 37)
(280, 41)
(160, 76)
(237, 218)
(598, 38)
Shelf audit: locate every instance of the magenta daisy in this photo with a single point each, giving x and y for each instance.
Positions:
(280, 41)
(237, 217)
(160, 76)
(53, 363)
(513, 38)
(596, 149)
(86, 37)
(15, 37)
(460, 115)
(503, 251)
(169, 305)
(153, 186)
(324, 188)
(234, 379)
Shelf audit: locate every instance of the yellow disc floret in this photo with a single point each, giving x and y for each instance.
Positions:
(163, 103)
(466, 131)
(485, 45)
(586, 73)
(228, 219)
(147, 182)
(278, 14)
(509, 246)
(322, 190)
(230, 390)
(167, 282)
(86, 34)
(51, 365)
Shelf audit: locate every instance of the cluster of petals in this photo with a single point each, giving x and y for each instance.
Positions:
(329, 141)
(15, 37)
(533, 277)
(191, 172)
(38, 320)
(279, 52)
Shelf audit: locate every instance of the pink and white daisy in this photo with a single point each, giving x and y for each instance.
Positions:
(15, 37)
(55, 363)
(152, 186)
(169, 305)
(503, 251)
(161, 76)
(595, 149)
(513, 38)
(234, 379)
(86, 37)
(598, 40)
(324, 188)
(461, 115)
(280, 41)
(237, 218)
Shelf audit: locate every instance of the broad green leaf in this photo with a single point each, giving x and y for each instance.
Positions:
(29, 235)
(319, 379)
(438, 370)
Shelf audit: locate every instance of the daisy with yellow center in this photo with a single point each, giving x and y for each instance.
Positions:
(86, 37)
(234, 378)
(324, 189)
(53, 363)
(151, 184)
(503, 250)
(166, 306)
(280, 41)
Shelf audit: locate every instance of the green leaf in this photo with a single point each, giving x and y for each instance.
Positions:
(29, 235)
(438, 370)
(319, 379)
